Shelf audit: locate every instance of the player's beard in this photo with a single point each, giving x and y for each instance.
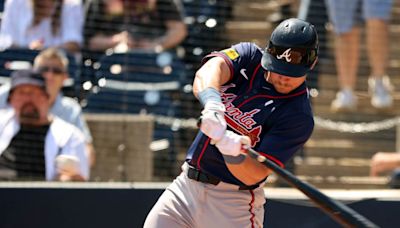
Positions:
(29, 114)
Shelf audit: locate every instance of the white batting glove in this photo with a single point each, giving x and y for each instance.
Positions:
(232, 144)
(213, 122)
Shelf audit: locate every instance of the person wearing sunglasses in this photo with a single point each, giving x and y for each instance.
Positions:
(52, 63)
(252, 98)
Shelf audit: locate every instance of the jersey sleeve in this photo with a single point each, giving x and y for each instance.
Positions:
(238, 56)
(286, 137)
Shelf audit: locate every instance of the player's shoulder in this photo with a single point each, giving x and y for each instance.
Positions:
(247, 47)
(295, 114)
(244, 52)
(299, 105)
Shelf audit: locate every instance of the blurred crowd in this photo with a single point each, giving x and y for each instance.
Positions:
(62, 40)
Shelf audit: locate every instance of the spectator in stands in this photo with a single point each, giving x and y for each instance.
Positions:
(148, 25)
(384, 163)
(53, 64)
(35, 145)
(37, 24)
(342, 14)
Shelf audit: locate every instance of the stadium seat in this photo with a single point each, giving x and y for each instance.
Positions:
(135, 83)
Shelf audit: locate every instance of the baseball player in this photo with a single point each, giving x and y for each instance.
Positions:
(251, 97)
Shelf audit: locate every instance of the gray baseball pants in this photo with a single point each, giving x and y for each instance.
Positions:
(192, 204)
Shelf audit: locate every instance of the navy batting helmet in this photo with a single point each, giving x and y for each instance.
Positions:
(292, 48)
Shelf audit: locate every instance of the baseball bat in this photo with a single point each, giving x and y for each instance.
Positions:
(338, 211)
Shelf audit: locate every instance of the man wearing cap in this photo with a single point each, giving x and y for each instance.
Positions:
(251, 97)
(52, 63)
(35, 145)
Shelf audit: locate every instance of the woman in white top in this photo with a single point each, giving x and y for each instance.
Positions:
(37, 24)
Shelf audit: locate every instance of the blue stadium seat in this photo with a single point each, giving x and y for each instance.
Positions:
(136, 83)
(17, 58)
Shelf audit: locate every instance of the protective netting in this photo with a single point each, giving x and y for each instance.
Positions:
(132, 77)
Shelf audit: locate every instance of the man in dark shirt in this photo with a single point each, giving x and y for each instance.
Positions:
(144, 24)
(35, 145)
(251, 97)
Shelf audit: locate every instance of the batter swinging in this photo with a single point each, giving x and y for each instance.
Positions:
(251, 97)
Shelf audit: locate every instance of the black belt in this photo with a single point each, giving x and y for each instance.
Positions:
(198, 175)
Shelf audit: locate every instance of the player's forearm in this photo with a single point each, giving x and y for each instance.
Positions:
(249, 171)
(212, 74)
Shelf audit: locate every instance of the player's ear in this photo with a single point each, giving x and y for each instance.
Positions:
(314, 63)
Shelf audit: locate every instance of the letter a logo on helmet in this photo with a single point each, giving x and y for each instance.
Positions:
(292, 48)
(285, 55)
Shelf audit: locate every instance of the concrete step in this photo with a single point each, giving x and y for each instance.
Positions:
(260, 10)
(355, 116)
(344, 148)
(320, 110)
(248, 31)
(328, 166)
(323, 133)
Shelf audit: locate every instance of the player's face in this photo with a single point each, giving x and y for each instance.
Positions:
(284, 84)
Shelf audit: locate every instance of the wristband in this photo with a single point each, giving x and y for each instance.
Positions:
(234, 159)
(209, 94)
